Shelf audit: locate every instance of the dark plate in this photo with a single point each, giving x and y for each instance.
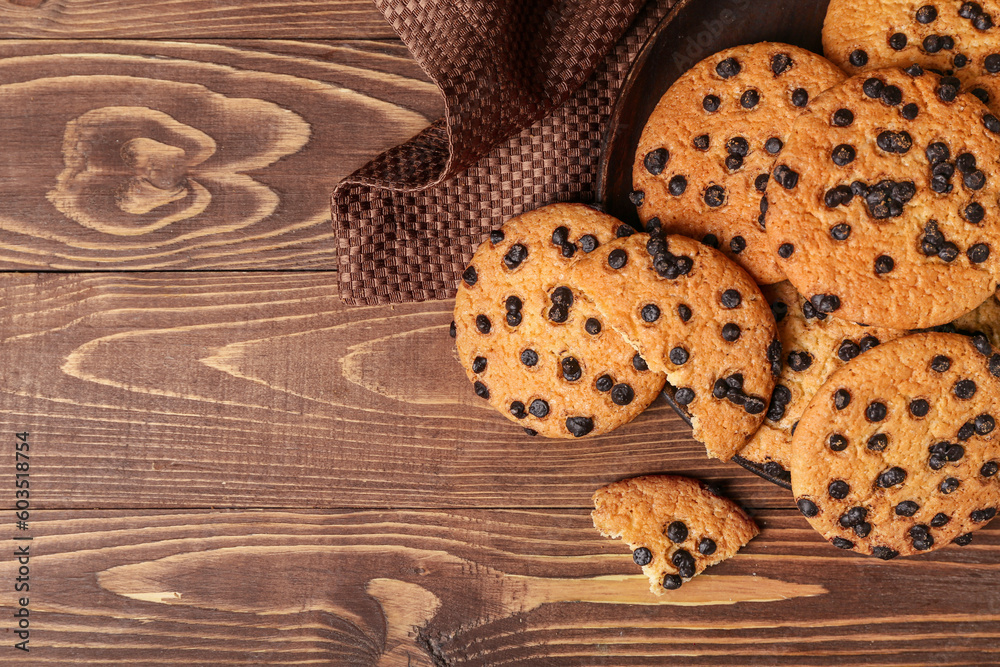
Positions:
(694, 30)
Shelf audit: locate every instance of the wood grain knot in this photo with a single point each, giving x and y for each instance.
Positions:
(131, 170)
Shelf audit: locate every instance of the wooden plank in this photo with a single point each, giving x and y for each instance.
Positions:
(182, 155)
(186, 19)
(209, 389)
(477, 588)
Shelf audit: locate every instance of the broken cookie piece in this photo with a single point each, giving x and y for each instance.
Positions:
(676, 526)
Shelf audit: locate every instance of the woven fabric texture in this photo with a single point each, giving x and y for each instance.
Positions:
(529, 87)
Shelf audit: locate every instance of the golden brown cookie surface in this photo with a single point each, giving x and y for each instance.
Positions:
(697, 316)
(898, 452)
(815, 345)
(531, 344)
(675, 526)
(955, 37)
(883, 206)
(705, 153)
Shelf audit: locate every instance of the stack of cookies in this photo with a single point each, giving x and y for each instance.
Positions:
(816, 236)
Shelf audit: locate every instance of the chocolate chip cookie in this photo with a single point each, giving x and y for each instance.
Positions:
(675, 526)
(883, 208)
(898, 451)
(534, 346)
(955, 38)
(696, 316)
(703, 160)
(815, 345)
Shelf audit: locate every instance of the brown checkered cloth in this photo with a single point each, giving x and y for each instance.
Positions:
(529, 86)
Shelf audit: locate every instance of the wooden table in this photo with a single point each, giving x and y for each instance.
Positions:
(228, 466)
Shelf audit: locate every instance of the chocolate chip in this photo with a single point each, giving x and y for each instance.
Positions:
(843, 154)
(642, 556)
(981, 94)
(760, 183)
(684, 312)
(571, 370)
(884, 264)
(470, 276)
(728, 68)
(773, 145)
(731, 332)
(706, 546)
(677, 186)
(907, 508)
(891, 96)
(588, 243)
(562, 296)
(994, 365)
(749, 99)
(568, 249)
(672, 582)
(711, 240)
(966, 162)
(800, 97)
(539, 408)
(637, 197)
(914, 70)
(558, 313)
(715, 195)
(919, 407)
(842, 118)
(837, 442)
(983, 22)
(481, 390)
(624, 231)
(963, 540)
(496, 236)
(677, 532)
(560, 236)
(841, 543)
(949, 485)
(978, 253)
(785, 177)
(940, 519)
(479, 365)
(839, 489)
(878, 442)
(617, 258)
(604, 383)
(970, 10)
(947, 92)
(529, 357)
(940, 363)
(799, 360)
(517, 254)
(960, 61)
(932, 43)
(684, 395)
(650, 312)
(984, 424)
(867, 342)
(841, 398)
(656, 160)
(848, 350)
(754, 405)
(733, 162)
(974, 213)
(514, 318)
(909, 111)
(858, 58)
(894, 142)
(517, 409)
(966, 431)
(982, 344)
(684, 562)
(826, 303)
(774, 356)
(965, 389)
(876, 411)
(891, 477)
(937, 152)
(897, 42)
(922, 539)
(579, 426)
(710, 103)
(840, 232)
(807, 507)
(622, 394)
(731, 298)
(948, 252)
(983, 515)
(701, 142)
(872, 87)
(592, 326)
(779, 309)
(926, 14)
(992, 63)
(884, 553)
(853, 517)
(483, 324)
